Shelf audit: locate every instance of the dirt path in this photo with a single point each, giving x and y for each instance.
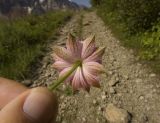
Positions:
(127, 83)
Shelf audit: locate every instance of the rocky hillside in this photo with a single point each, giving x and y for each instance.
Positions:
(61, 4)
(22, 7)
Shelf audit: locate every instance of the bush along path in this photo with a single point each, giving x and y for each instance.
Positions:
(23, 40)
(129, 93)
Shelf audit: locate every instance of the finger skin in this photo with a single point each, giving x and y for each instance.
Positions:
(9, 89)
(13, 112)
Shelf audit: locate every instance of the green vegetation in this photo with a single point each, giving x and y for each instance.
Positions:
(136, 23)
(80, 26)
(78, 29)
(23, 40)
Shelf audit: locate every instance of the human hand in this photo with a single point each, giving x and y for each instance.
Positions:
(19, 104)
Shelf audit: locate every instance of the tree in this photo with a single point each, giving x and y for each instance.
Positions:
(96, 2)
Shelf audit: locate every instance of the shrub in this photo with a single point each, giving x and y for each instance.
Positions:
(136, 23)
(138, 15)
(151, 43)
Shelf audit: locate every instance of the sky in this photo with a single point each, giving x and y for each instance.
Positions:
(83, 2)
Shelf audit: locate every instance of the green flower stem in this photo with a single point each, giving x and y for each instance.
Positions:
(62, 79)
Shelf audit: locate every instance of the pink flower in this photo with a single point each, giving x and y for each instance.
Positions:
(85, 75)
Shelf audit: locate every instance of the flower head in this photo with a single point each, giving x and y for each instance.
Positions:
(89, 57)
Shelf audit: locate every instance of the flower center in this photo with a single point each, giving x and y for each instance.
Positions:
(79, 62)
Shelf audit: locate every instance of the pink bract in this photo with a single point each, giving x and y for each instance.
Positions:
(90, 56)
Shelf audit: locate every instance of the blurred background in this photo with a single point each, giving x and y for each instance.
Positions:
(25, 26)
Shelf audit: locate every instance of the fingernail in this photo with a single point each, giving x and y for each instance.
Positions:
(37, 105)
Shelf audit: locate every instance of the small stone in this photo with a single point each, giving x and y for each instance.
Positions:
(64, 122)
(64, 87)
(104, 93)
(131, 91)
(119, 94)
(84, 119)
(126, 77)
(100, 109)
(103, 97)
(27, 82)
(141, 97)
(113, 81)
(112, 91)
(95, 102)
(157, 85)
(116, 115)
(154, 90)
(152, 75)
(97, 120)
(138, 80)
(145, 100)
(148, 108)
(62, 97)
(110, 73)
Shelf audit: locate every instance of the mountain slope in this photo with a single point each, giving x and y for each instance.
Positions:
(25, 6)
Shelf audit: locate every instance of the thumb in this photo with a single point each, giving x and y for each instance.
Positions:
(33, 106)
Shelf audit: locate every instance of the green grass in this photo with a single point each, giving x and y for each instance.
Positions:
(80, 26)
(22, 40)
(145, 43)
(78, 30)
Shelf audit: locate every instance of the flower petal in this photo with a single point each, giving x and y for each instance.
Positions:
(56, 58)
(73, 46)
(94, 68)
(91, 79)
(88, 47)
(64, 72)
(79, 81)
(64, 54)
(96, 56)
(60, 65)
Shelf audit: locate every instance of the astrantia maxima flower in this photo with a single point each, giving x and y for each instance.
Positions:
(89, 56)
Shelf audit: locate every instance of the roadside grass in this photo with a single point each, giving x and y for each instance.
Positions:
(145, 43)
(80, 26)
(23, 40)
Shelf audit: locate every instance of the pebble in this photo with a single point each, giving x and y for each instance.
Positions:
(100, 109)
(110, 73)
(145, 100)
(84, 119)
(152, 75)
(138, 80)
(126, 77)
(95, 102)
(113, 81)
(154, 90)
(103, 97)
(141, 97)
(104, 93)
(27, 82)
(112, 91)
(116, 115)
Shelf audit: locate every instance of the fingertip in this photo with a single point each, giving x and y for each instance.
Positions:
(37, 105)
(41, 105)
